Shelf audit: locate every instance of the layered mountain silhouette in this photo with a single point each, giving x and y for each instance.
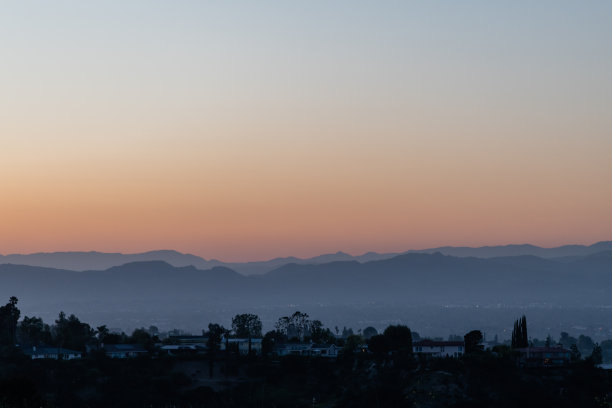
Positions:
(409, 279)
(82, 261)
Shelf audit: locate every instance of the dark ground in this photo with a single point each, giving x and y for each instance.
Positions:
(483, 380)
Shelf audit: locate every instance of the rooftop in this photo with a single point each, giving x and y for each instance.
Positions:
(433, 343)
(38, 350)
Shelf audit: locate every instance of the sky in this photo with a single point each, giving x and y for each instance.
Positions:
(248, 130)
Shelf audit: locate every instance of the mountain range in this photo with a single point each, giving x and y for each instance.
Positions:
(82, 261)
(435, 292)
(408, 279)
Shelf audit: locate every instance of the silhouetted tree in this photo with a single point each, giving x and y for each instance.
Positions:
(71, 333)
(32, 331)
(606, 348)
(9, 316)
(247, 326)
(585, 344)
(347, 332)
(352, 342)
(369, 332)
(566, 340)
(215, 334)
(283, 325)
(102, 332)
(519, 333)
(142, 336)
(301, 323)
(472, 342)
(597, 355)
(398, 338)
(378, 345)
(115, 338)
(296, 325)
(319, 334)
(525, 337)
(270, 340)
(549, 341)
(575, 353)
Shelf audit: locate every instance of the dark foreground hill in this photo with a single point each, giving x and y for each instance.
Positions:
(353, 380)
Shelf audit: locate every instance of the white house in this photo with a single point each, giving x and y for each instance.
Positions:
(54, 353)
(433, 348)
(324, 350)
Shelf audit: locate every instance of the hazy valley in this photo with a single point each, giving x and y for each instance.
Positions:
(564, 289)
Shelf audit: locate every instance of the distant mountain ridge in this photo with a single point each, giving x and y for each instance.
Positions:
(156, 291)
(414, 277)
(82, 261)
(523, 249)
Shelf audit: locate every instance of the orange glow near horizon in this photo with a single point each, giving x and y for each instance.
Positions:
(302, 203)
(276, 131)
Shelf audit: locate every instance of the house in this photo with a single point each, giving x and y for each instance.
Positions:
(182, 349)
(307, 349)
(431, 348)
(242, 345)
(188, 339)
(54, 353)
(324, 350)
(124, 350)
(293, 349)
(544, 356)
(605, 366)
(199, 343)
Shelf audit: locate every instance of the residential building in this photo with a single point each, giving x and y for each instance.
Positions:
(544, 356)
(324, 350)
(183, 349)
(188, 339)
(307, 349)
(123, 350)
(433, 348)
(54, 353)
(293, 349)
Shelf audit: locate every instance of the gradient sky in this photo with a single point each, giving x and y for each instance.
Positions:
(247, 130)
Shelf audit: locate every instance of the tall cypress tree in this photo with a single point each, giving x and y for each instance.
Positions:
(524, 338)
(519, 333)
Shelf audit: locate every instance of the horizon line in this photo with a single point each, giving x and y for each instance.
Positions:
(212, 259)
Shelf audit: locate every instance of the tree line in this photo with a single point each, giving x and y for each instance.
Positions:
(70, 333)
